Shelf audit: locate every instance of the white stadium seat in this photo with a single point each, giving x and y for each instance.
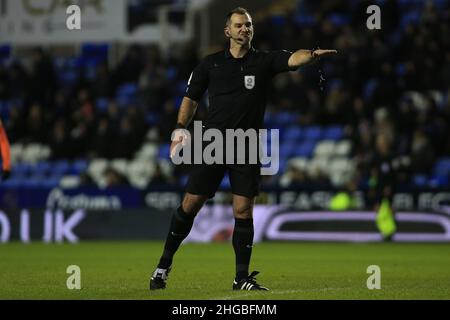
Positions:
(324, 148)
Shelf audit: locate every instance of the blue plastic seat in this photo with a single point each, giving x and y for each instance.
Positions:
(78, 166)
(333, 133)
(312, 133)
(60, 167)
(420, 180)
(101, 104)
(164, 151)
(97, 50)
(306, 149)
(42, 167)
(128, 89)
(152, 119)
(339, 20)
(287, 148)
(13, 182)
(22, 168)
(51, 182)
(303, 20)
(438, 181)
(442, 167)
(284, 119)
(293, 134)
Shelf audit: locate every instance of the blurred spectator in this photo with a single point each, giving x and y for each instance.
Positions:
(387, 88)
(43, 81)
(422, 153)
(113, 178)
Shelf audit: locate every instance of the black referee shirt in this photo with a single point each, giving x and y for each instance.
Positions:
(237, 88)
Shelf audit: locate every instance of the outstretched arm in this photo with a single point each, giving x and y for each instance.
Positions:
(304, 57)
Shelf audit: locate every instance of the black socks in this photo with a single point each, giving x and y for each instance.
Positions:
(242, 244)
(179, 229)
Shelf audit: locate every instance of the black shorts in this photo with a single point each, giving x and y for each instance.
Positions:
(245, 179)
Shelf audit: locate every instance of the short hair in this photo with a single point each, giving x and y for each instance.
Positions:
(238, 10)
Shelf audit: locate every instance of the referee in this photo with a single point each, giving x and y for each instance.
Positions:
(237, 80)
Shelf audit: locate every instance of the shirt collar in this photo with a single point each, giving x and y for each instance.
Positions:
(228, 54)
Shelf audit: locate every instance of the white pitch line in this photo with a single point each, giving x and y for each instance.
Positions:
(274, 293)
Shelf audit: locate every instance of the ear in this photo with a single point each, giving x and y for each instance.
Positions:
(227, 32)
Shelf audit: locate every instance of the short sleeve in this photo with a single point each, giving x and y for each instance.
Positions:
(279, 61)
(198, 82)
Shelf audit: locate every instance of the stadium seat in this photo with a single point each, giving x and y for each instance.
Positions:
(152, 134)
(287, 149)
(148, 150)
(333, 133)
(438, 181)
(292, 134)
(68, 78)
(324, 148)
(339, 20)
(102, 104)
(44, 152)
(164, 151)
(284, 119)
(312, 133)
(32, 153)
(51, 182)
(277, 20)
(22, 169)
(61, 167)
(97, 167)
(125, 101)
(120, 165)
(128, 89)
(340, 165)
(442, 167)
(420, 180)
(78, 166)
(343, 148)
(166, 167)
(299, 162)
(13, 182)
(16, 151)
(338, 179)
(321, 163)
(95, 50)
(303, 20)
(152, 119)
(305, 149)
(42, 167)
(69, 182)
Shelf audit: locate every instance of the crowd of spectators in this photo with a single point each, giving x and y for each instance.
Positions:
(392, 82)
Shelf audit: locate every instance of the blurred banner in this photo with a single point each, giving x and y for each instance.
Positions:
(33, 22)
(118, 198)
(44, 21)
(215, 223)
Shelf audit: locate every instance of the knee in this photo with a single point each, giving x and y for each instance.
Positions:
(243, 211)
(192, 203)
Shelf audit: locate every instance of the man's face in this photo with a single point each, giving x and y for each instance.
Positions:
(240, 29)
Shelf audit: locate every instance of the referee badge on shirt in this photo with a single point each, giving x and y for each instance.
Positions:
(249, 82)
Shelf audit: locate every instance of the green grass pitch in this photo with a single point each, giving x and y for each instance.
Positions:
(121, 270)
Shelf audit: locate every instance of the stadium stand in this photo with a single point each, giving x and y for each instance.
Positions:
(73, 116)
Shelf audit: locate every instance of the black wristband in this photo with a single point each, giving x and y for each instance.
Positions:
(180, 126)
